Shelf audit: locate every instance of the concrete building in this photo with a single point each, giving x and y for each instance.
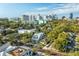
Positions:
(32, 18)
(45, 17)
(36, 19)
(25, 18)
(39, 17)
(37, 37)
(28, 18)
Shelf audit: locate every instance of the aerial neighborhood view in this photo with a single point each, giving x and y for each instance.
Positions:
(39, 29)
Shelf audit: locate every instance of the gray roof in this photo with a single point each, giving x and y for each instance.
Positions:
(37, 36)
(2, 48)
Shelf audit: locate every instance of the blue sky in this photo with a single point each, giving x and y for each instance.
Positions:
(17, 9)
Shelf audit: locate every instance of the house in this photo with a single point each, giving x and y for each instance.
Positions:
(21, 31)
(2, 29)
(31, 30)
(37, 37)
(11, 50)
(5, 48)
(8, 50)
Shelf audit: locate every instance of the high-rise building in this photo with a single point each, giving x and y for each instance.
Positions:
(71, 16)
(54, 17)
(50, 17)
(30, 18)
(39, 17)
(25, 18)
(45, 17)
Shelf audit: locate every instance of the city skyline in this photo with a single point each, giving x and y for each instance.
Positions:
(18, 9)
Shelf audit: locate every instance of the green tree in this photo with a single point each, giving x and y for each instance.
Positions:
(77, 39)
(25, 38)
(61, 41)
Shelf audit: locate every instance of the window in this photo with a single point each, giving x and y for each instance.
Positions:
(35, 37)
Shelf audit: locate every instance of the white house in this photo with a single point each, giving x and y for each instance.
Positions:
(21, 31)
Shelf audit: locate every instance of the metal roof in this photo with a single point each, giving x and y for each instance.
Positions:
(2, 48)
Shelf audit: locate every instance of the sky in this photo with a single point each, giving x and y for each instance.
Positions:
(18, 9)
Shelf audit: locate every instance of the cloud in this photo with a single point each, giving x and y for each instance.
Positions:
(65, 8)
(42, 8)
